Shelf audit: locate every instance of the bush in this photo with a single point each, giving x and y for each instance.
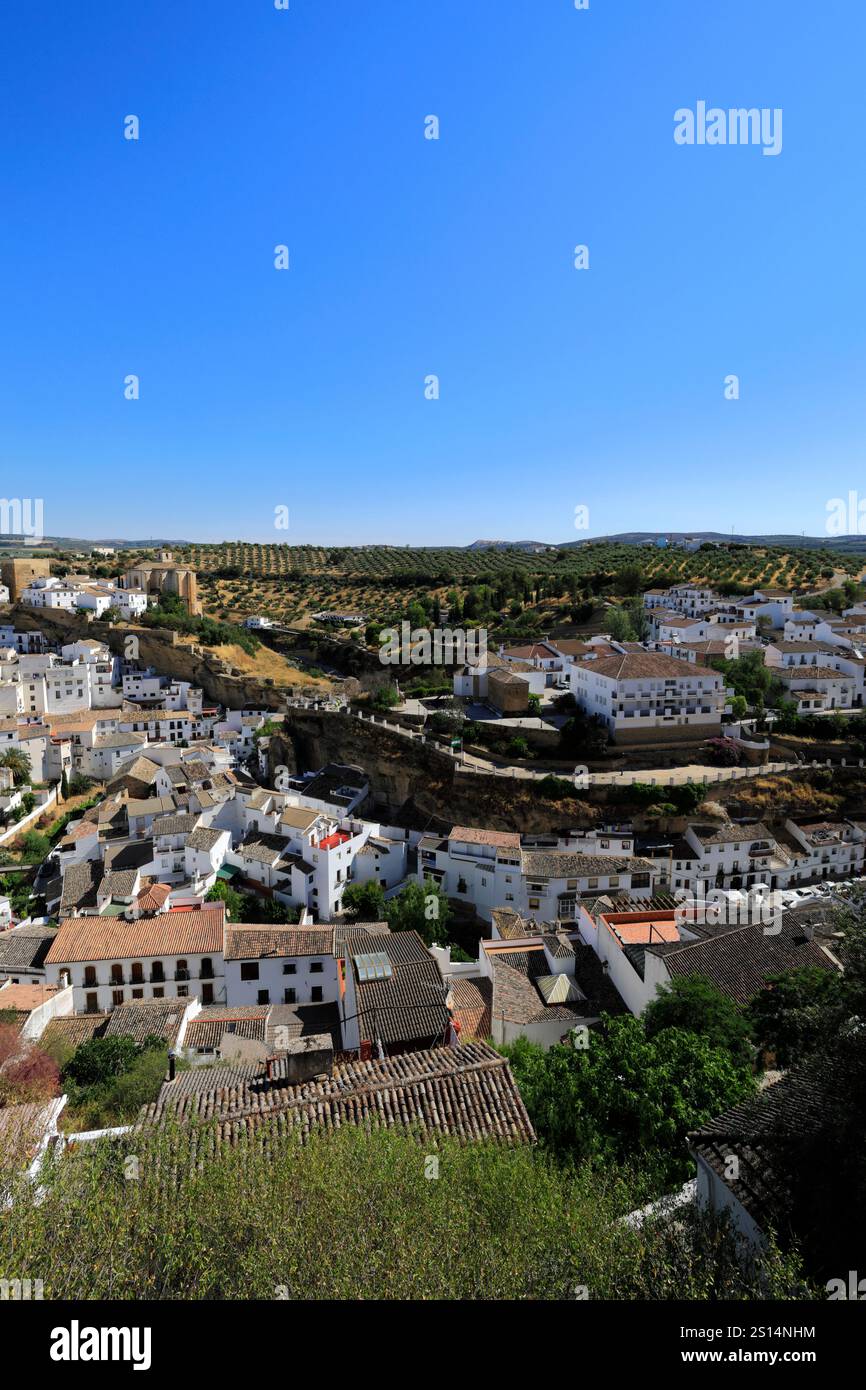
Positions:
(554, 788)
(286, 1223)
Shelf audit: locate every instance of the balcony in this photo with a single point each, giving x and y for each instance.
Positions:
(182, 975)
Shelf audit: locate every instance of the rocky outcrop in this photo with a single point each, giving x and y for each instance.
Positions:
(160, 648)
(413, 783)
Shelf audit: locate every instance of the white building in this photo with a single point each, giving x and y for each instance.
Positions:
(166, 955)
(281, 965)
(645, 692)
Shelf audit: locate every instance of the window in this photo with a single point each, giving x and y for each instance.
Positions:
(207, 994)
(156, 973)
(249, 970)
(316, 967)
(137, 975)
(290, 968)
(183, 991)
(206, 968)
(117, 974)
(535, 903)
(159, 993)
(138, 994)
(290, 996)
(90, 975)
(263, 996)
(117, 996)
(316, 994)
(90, 1004)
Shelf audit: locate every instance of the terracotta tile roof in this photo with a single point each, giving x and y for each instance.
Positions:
(80, 882)
(74, 1029)
(25, 948)
(516, 996)
(471, 1002)
(758, 1134)
(650, 666)
(466, 1091)
(248, 942)
(362, 935)
(407, 1006)
(534, 651)
(209, 1027)
(499, 839)
(564, 864)
(144, 1018)
(25, 998)
(153, 897)
(739, 962)
(197, 931)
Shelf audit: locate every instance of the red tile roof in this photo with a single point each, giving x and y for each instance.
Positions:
(500, 839)
(185, 932)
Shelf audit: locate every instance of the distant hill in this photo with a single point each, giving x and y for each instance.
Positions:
(508, 545)
(787, 542)
(79, 543)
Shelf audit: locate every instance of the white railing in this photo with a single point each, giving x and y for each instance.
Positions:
(22, 824)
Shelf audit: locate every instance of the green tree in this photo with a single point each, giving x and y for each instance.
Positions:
(223, 892)
(18, 763)
(101, 1059)
(365, 901)
(35, 847)
(385, 697)
(693, 1003)
(619, 625)
(423, 908)
(626, 1093)
(793, 1012)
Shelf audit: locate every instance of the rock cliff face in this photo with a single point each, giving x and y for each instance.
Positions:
(413, 783)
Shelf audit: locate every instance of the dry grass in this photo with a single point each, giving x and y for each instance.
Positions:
(269, 664)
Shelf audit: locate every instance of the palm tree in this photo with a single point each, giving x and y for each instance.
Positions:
(18, 763)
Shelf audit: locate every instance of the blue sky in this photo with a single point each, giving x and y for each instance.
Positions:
(410, 257)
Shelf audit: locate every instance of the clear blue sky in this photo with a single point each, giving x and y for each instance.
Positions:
(305, 388)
